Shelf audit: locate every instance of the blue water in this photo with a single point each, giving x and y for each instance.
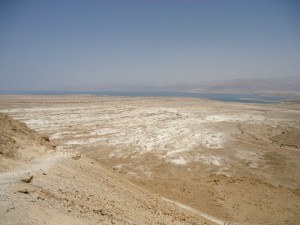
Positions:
(242, 98)
(219, 97)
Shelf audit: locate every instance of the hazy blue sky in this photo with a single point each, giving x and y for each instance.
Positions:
(51, 44)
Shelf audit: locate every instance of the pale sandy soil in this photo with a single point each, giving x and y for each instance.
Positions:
(40, 185)
(234, 162)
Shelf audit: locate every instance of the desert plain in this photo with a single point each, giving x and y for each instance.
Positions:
(222, 163)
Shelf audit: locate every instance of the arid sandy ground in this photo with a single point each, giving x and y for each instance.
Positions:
(235, 162)
(40, 185)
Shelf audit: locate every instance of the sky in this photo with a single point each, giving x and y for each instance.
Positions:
(72, 45)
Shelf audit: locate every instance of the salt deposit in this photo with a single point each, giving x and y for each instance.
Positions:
(179, 161)
(133, 131)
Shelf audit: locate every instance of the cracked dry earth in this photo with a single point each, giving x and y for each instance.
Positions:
(230, 162)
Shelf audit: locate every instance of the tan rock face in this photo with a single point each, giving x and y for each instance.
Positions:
(223, 159)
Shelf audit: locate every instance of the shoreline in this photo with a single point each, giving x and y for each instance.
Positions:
(231, 98)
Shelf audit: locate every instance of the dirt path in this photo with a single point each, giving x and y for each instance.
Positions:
(47, 162)
(197, 212)
(43, 163)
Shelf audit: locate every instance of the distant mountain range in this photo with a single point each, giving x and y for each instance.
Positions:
(287, 85)
(266, 86)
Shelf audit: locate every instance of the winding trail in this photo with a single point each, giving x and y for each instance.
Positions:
(197, 212)
(47, 162)
(40, 164)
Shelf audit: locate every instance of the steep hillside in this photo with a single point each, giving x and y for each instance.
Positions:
(43, 186)
(19, 144)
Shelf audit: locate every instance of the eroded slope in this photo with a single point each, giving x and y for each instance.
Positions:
(54, 188)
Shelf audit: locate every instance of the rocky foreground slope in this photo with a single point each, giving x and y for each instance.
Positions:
(40, 185)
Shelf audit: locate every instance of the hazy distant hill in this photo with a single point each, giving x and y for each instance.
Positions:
(271, 85)
(282, 86)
